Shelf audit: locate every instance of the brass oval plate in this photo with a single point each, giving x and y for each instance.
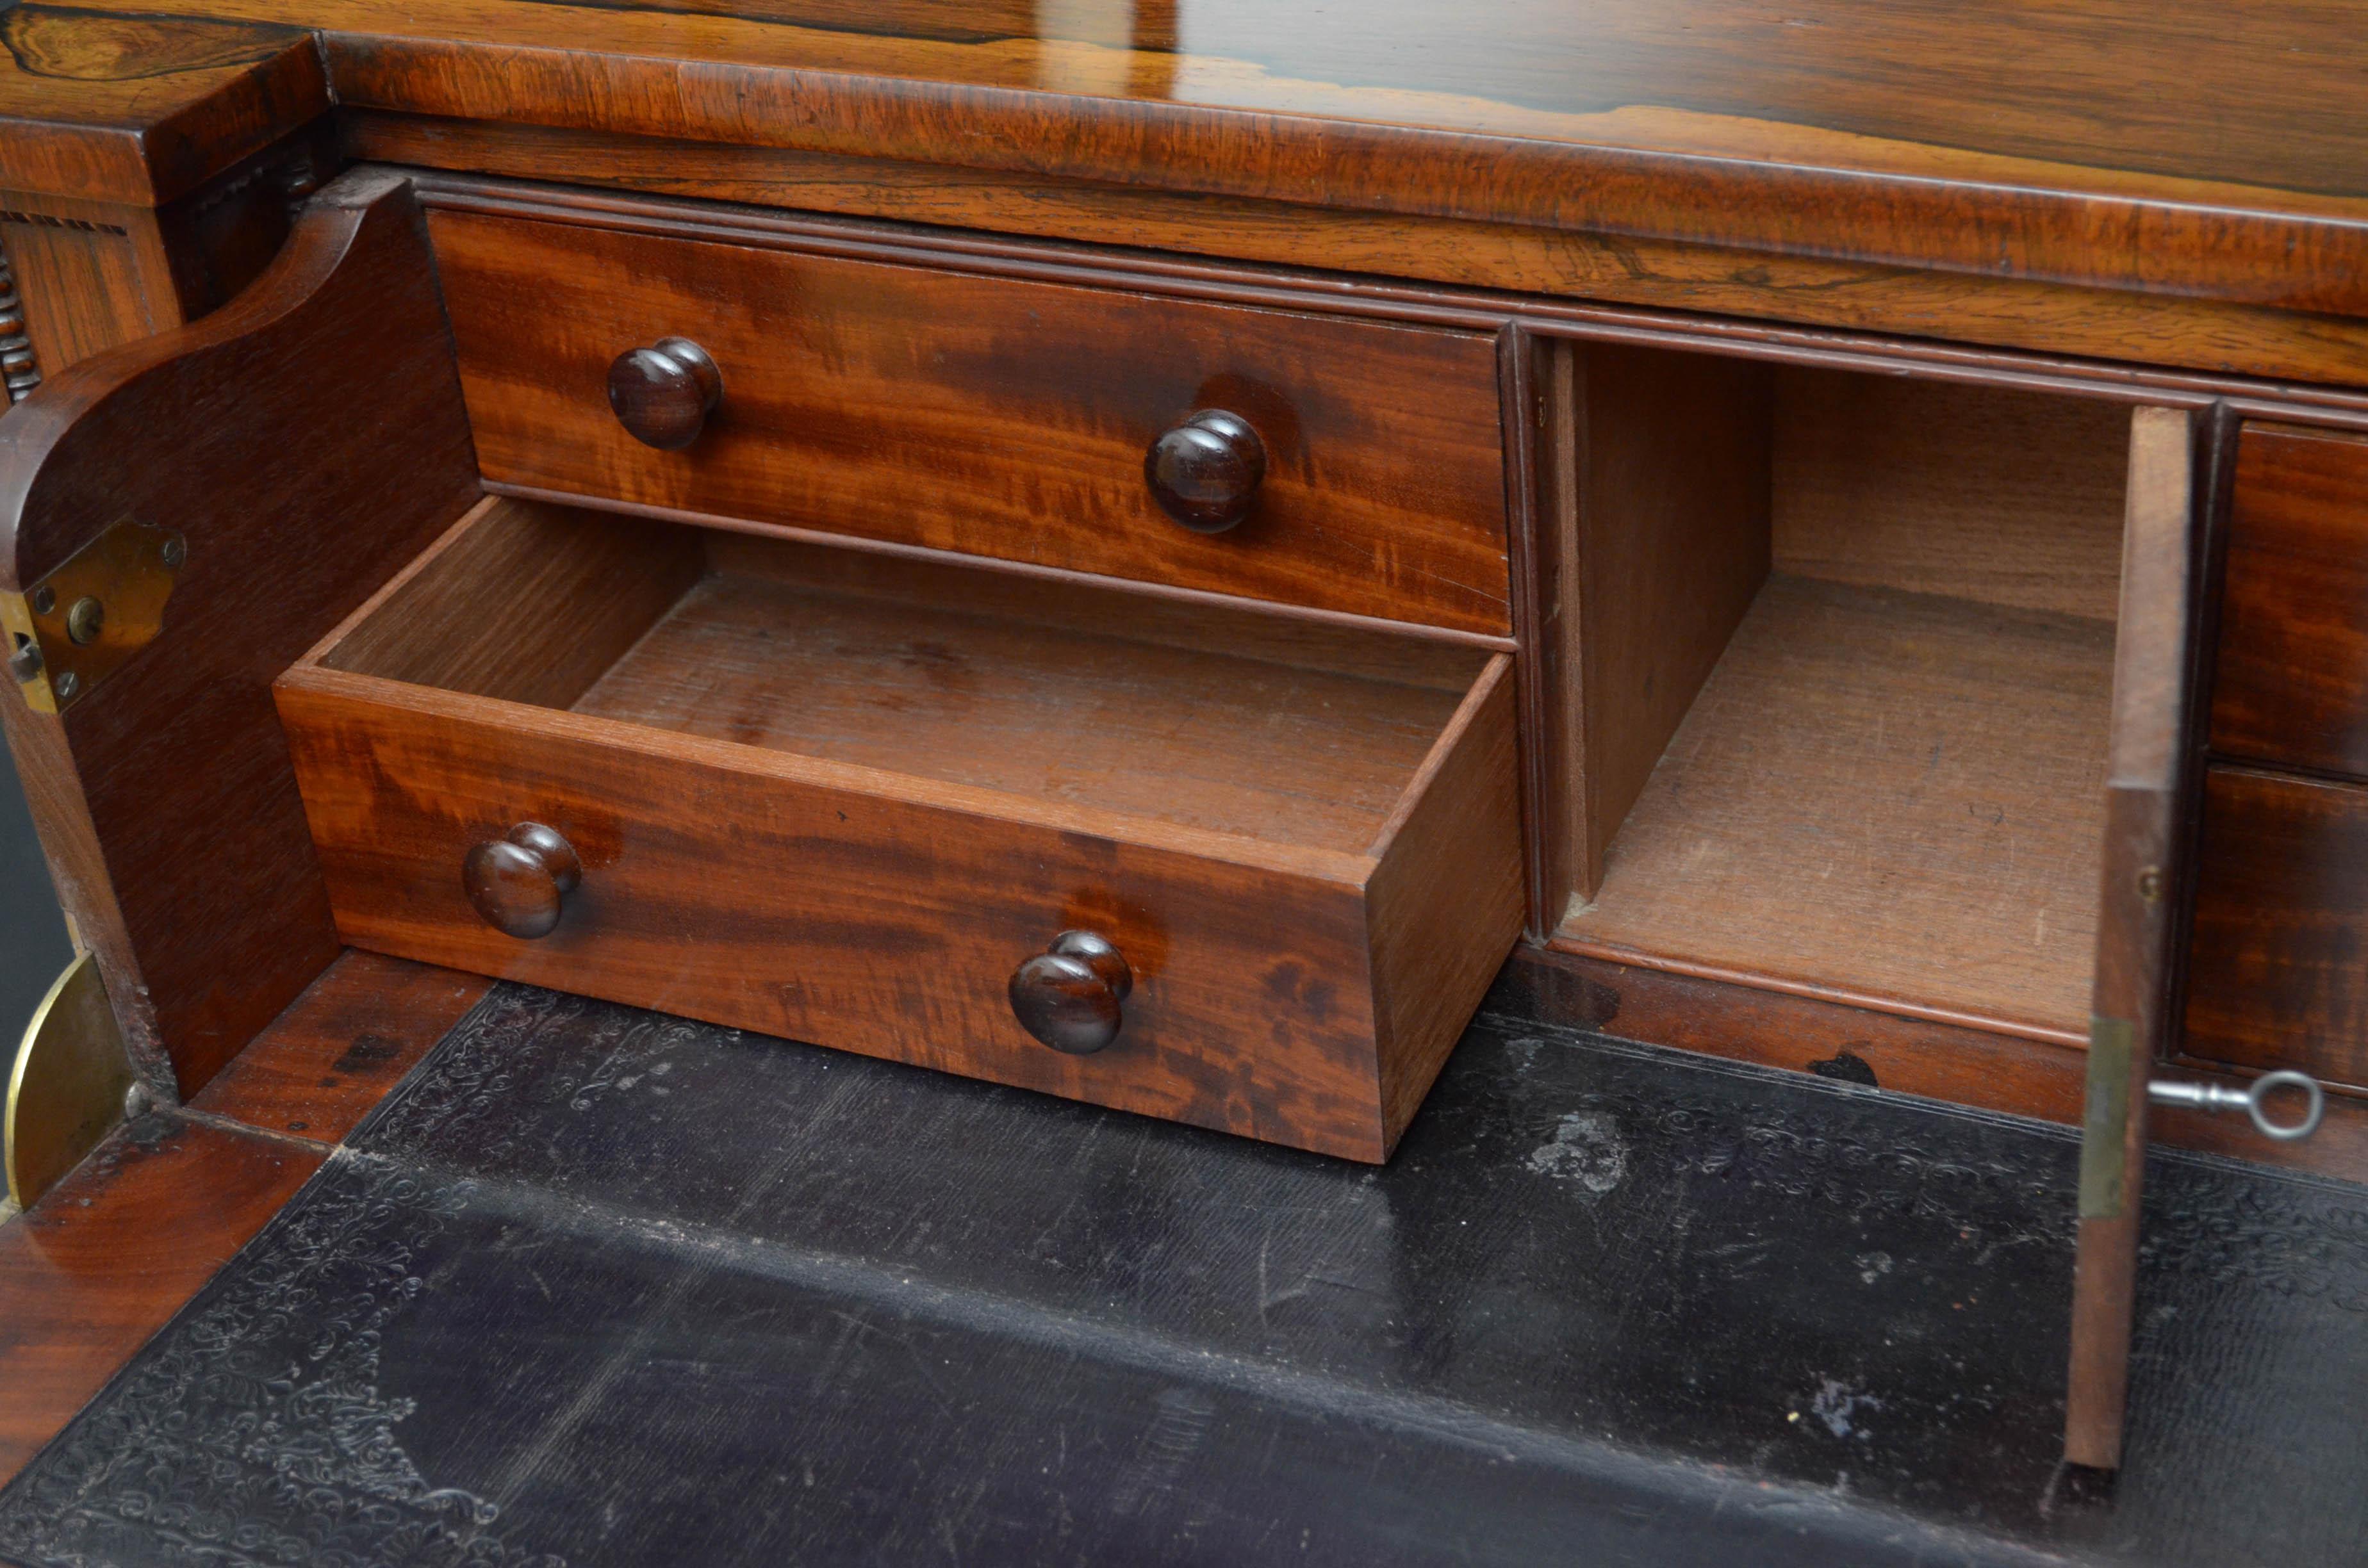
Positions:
(66, 1084)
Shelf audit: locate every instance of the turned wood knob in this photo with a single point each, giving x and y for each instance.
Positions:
(1205, 473)
(1068, 995)
(518, 881)
(664, 393)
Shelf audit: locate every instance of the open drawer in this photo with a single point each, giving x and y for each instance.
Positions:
(854, 797)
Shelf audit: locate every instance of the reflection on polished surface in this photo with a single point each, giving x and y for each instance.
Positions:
(2092, 84)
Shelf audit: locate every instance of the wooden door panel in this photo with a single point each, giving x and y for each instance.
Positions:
(2147, 782)
(304, 442)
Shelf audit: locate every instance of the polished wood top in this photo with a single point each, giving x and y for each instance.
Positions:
(2182, 146)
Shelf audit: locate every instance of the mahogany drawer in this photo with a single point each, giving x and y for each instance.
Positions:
(2278, 974)
(2291, 681)
(843, 797)
(990, 414)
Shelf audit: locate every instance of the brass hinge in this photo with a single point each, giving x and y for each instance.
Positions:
(77, 626)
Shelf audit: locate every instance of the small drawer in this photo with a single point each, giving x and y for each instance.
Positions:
(2291, 680)
(989, 415)
(2278, 974)
(853, 799)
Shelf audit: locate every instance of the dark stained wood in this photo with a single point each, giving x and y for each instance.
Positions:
(2131, 1018)
(1558, 266)
(1310, 873)
(1205, 471)
(2290, 685)
(1313, 279)
(882, 922)
(1818, 167)
(221, 236)
(1836, 137)
(141, 108)
(933, 408)
(1910, 1056)
(663, 394)
(1533, 376)
(1072, 997)
(164, 797)
(111, 1253)
(1669, 475)
(324, 1063)
(519, 882)
(2278, 974)
(93, 275)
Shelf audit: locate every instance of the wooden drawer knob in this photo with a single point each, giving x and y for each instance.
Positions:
(1205, 473)
(1068, 995)
(518, 881)
(663, 394)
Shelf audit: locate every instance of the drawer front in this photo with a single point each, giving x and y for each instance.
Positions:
(992, 415)
(1307, 999)
(2292, 684)
(2279, 973)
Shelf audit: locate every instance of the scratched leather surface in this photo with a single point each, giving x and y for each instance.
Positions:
(601, 1287)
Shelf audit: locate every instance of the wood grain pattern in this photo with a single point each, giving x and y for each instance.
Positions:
(1212, 717)
(1895, 795)
(1275, 634)
(1554, 266)
(1313, 281)
(992, 417)
(93, 275)
(333, 1055)
(530, 604)
(1979, 493)
(879, 922)
(168, 807)
(1447, 900)
(2291, 682)
(97, 274)
(1820, 168)
(1671, 465)
(2132, 1022)
(1838, 138)
(1206, 740)
(141, 108)
(111, 1252)
(2278, 976)
(1273, 848)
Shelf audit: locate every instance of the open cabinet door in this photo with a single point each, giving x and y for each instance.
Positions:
(2149, 777)
(181, 519)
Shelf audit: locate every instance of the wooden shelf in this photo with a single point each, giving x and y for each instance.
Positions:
(1888, 795)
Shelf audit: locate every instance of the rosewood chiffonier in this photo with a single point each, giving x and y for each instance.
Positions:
(1142, 550)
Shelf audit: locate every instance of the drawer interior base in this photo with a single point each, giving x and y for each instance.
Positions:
(1876, 631)
(1206, 717)
(1895, 793)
